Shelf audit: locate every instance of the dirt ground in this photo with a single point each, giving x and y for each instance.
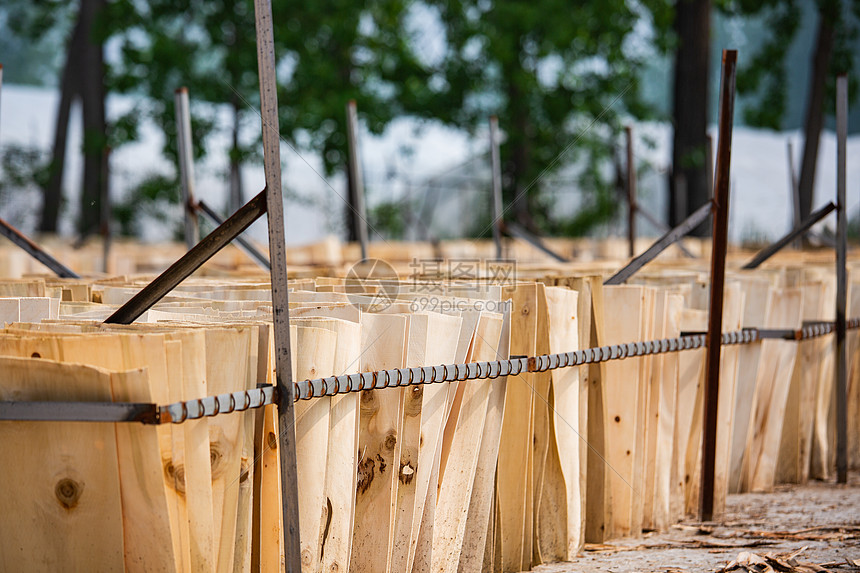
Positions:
(823, 518)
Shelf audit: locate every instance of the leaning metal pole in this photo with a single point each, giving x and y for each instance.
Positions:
(243, 244)
(774, 248)
(661, 244)
(190, 261)
(35, 250)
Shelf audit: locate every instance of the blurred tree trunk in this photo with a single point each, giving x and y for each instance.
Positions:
(690, 109)
(351, 193)
(518, 164)
(69, 90)
(828, 11)
(95, 125)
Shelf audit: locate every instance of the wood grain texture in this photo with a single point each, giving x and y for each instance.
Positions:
(62, 505)
(440, 343)
(623, 390)
(563, 310)
(383, 344)
(515, 449)
(479, 544)
(455, 490)
(772, 385)
(315, 352)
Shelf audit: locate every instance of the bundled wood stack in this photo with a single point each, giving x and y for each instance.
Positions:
(488, 475)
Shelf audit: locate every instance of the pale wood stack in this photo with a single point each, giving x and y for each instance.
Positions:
(489, 475)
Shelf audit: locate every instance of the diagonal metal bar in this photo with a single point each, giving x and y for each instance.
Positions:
(514, 230)
(190, 261)
(651, 218)
(244, 244)
(662, 227)
(774, 248)
(661, 244)
(36, 251)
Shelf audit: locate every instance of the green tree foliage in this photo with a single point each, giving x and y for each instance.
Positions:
(208, 47)
(764, 74)
(333, 51)
(29, 58)
(832, 54)
(328, 53)
(45, 22)
(559, 84)
(24, 175)
(559, 76)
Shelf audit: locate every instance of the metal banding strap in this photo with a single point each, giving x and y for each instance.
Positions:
(332, 385)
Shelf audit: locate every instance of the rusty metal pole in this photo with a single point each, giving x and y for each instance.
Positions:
(104, 224)
(718, 275)
(841, 272)
(184, 150)
(496, 166)
(795, 192)
(710, 170)
(280, 302)
(631, 193)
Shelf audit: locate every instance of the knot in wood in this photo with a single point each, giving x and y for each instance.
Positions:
(68, 492)
(390, 441)
(216, 458)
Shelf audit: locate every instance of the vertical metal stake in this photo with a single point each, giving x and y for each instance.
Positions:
(795, 191)
(496, 166)
(359, 211)
(280, 302)
(184, 151)
(710, 170)
(106, 211)
(841, 246)
(718, 276)
(631, 193)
